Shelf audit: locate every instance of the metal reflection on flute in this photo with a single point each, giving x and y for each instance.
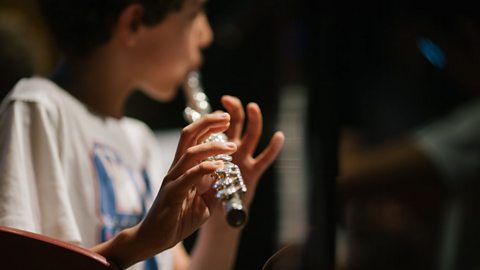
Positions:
(228, 183)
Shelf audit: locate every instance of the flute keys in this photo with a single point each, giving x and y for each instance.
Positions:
(223, 157)
(228, 182)
(217, 137)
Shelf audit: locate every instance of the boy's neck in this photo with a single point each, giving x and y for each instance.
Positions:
(96, 81)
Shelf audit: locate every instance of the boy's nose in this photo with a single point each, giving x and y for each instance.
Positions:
(205, 33)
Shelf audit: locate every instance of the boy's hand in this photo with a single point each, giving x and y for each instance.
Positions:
(183, 203)
(251, 167)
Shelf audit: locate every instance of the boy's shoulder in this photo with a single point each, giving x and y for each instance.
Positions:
(34, 89)
(42, 92)
(41, 96)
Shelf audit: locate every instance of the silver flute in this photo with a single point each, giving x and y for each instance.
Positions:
(228, 184)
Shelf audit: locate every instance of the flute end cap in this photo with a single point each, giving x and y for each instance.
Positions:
(236, 217)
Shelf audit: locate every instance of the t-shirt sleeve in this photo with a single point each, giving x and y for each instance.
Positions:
(453, 145)
(33, 190)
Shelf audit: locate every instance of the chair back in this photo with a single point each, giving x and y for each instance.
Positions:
(20, 249)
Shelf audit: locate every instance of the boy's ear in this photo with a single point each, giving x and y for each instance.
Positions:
(128, 24)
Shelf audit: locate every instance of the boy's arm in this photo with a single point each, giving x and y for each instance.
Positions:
(216, 246)
(213, 250)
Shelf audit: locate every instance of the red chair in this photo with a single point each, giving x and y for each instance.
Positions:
(25, 250)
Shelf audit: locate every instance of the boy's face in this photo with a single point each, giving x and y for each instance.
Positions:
(168, 51)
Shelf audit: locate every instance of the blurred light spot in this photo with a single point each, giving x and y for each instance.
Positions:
(432, 52)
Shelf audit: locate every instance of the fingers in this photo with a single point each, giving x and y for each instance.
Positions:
(206, 182)
(254, 129)
(196, 183)
(210, 199)
(202, 210)
(198, 153)
(234, 107)
(206, 134)
(194, 132)
(194, 176)
(268, 155)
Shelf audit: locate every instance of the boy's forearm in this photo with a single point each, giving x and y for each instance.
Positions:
(124, 249)
(216, 246)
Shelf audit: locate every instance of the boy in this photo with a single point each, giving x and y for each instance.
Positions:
(74, 168)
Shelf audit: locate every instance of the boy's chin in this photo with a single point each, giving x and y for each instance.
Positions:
(165, 94)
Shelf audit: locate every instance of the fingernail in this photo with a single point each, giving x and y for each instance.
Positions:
(230, 145)
(224, 115)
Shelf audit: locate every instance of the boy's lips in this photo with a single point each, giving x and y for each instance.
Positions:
(196, 65)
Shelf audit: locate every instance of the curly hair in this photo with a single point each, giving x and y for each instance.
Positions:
(79, 26)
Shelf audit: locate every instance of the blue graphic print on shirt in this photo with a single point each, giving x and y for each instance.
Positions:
(123, 194)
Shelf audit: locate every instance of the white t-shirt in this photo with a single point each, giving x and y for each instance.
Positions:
(73, 175)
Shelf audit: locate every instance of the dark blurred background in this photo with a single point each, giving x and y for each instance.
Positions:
(368, 94)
